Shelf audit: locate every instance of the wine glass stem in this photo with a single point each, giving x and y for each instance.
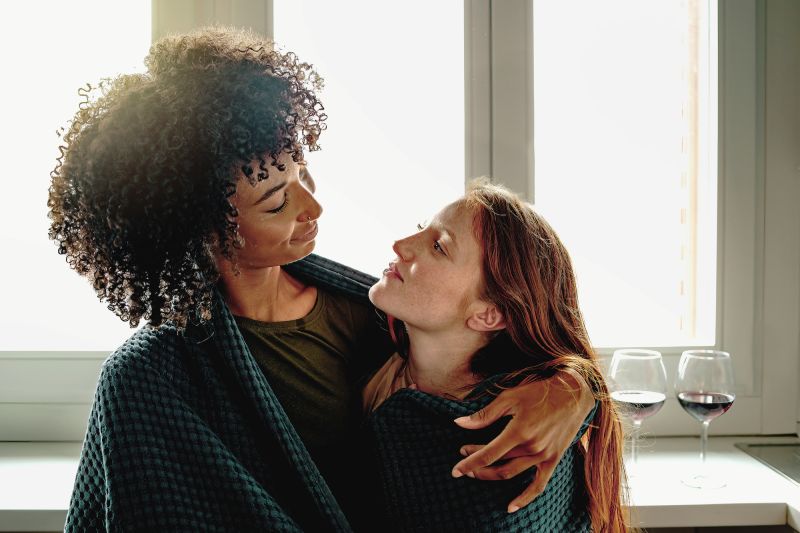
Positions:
(637, 424)
(704, 444)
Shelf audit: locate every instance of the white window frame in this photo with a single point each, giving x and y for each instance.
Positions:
(46, 396)
(758, 263)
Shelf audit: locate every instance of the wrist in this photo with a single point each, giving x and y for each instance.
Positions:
(583, 393)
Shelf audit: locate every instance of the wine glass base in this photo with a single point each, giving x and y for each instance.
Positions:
(701, 481)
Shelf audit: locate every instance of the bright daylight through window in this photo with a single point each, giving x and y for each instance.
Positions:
(47, 306)
(625, 150)
(393, 153)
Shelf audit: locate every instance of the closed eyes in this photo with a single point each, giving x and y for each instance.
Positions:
(282, 206)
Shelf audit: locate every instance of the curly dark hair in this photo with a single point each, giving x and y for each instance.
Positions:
(140, 195)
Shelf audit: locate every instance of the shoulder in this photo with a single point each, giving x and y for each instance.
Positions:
(386, 381)
(152, 375)
(148, 354)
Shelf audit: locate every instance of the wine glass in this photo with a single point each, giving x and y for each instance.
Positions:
(638, 383)
(705, 388)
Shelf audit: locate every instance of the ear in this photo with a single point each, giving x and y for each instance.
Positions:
(485, 317)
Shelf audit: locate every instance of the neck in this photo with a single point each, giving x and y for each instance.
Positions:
(267, 294)
(439, 362)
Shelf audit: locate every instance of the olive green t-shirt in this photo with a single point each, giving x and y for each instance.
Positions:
(317, 365)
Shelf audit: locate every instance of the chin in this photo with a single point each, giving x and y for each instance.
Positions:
(302, 253)
(379, 298)
(384, 299)
(308, 247)
(371, 294)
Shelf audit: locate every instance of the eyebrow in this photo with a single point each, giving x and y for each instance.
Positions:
(270, 192)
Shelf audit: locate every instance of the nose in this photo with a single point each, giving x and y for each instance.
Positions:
(312, 209)
(404, 249)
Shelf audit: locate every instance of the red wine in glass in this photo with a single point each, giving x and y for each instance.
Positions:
(705, 406)
(637, 404)
(705, 389)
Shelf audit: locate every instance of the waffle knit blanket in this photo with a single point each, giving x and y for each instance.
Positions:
(185, 434)
(416, 444)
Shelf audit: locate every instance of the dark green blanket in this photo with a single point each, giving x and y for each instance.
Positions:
(416, 444)
(185, 434)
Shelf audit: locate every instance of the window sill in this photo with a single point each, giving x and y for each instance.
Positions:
(36, 481)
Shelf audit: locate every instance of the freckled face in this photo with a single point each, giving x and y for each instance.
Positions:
(277, 216)
(436, 275)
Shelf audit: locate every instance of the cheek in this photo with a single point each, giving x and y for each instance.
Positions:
(421, 303)
(263, 234)
(450, 297)
(441, 283)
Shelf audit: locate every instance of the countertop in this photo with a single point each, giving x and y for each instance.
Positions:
(36, 481)
(754, 494)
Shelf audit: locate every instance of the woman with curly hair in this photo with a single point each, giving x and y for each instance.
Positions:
(481, 298)
(183, 196)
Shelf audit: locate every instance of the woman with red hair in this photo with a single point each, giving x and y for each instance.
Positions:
(481, 299)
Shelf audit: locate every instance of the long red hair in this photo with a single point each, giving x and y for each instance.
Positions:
(528, 275)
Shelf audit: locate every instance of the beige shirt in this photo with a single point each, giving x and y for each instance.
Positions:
(391, 377)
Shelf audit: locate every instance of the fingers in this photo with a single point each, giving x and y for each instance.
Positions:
(518, 451)
(517, 461)
(469, 449)
(507, 470)
(491, 453)
(484, 417)
(543, 474)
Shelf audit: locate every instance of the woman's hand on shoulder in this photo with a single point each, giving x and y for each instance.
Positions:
(545, 417)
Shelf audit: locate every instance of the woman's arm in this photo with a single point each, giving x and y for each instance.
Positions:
(545, 417)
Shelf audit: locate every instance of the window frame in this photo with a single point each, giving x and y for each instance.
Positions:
(758, 296)
(757, 251)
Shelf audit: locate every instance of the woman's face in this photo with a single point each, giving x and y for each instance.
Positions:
(436, 276)
(277, 216)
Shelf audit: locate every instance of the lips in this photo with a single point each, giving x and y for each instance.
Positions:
(308, 236)
(392, 271)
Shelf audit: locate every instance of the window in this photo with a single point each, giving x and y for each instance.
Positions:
(48, 58)
(729, 299)
(393, 153)
(625, 162)
(54, 333)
